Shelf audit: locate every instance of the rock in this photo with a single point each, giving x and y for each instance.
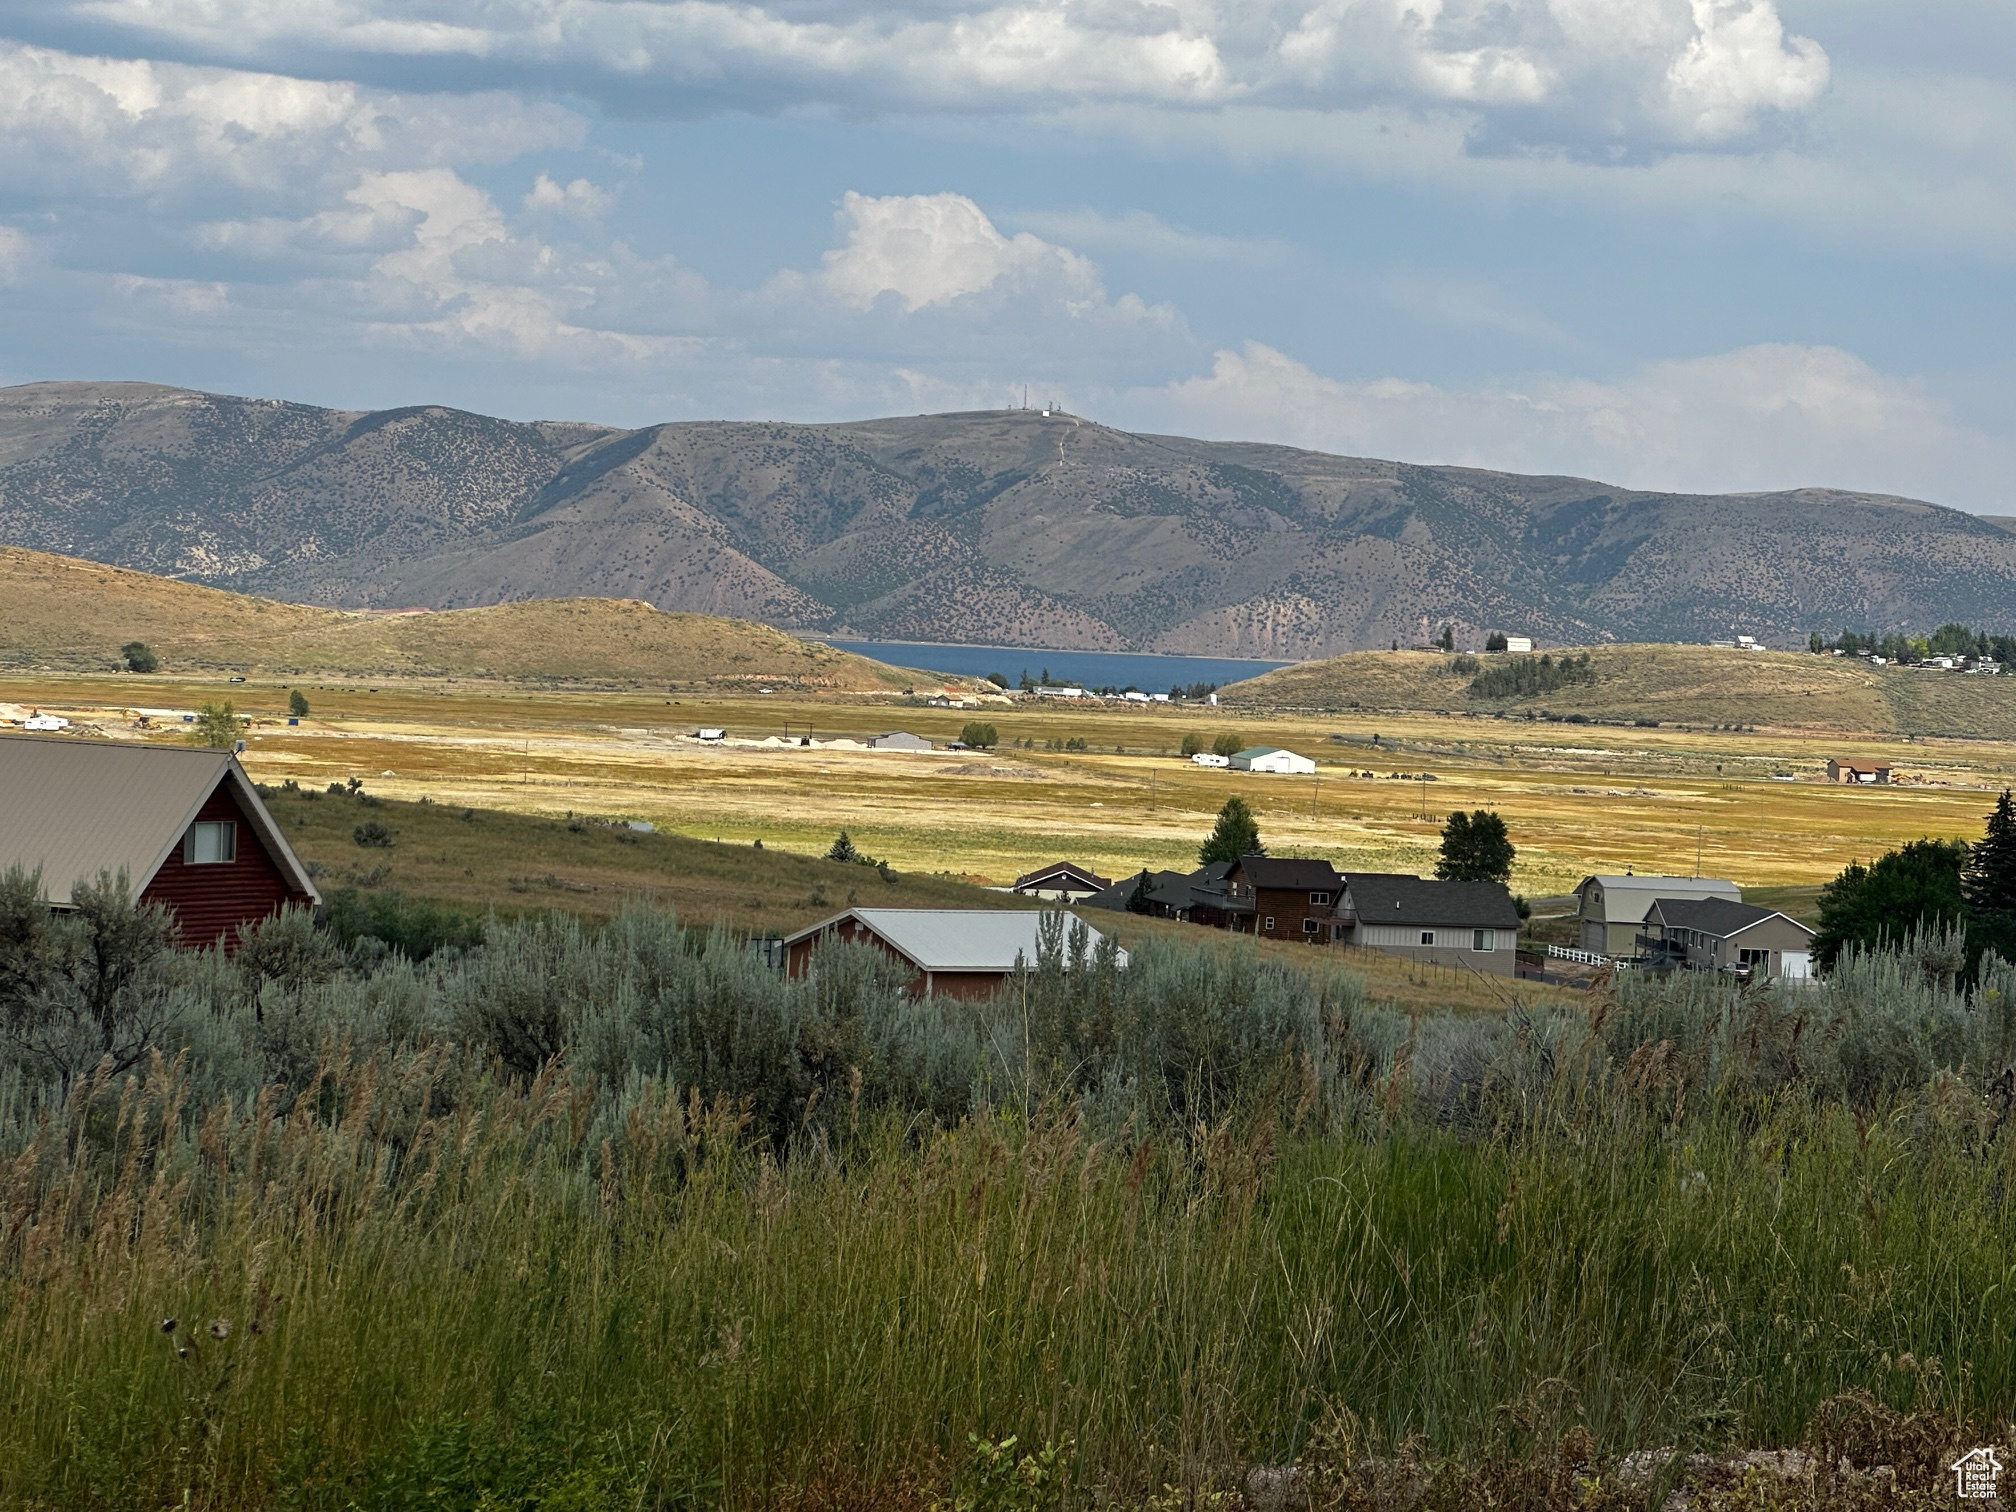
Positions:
(1274, 1488)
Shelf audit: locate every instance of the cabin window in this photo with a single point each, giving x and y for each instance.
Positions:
(1754, 958)
(1309, 926)
(1427, 937)
(1483, 939)
(211, 843)
(1317, 900)
(1270, 921)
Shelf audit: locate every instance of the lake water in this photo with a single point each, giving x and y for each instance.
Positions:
(1087, 669)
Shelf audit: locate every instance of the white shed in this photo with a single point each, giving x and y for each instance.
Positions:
(1271, 759)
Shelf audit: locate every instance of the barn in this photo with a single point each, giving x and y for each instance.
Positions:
(1272, 759)
(185, 825)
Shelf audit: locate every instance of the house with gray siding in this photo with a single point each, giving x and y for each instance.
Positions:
(1473, 926)
(1613, 907)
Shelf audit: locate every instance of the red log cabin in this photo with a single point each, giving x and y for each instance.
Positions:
(184, 825)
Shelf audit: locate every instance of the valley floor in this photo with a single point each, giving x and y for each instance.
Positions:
(1749, 805)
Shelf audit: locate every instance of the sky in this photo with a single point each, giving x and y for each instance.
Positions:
(1678, 244)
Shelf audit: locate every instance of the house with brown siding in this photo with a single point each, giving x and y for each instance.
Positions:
(185, 826)
(1283, 898)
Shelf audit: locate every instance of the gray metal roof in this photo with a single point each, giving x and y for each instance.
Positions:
(74, 808)
(951, 939)
(1627, 896)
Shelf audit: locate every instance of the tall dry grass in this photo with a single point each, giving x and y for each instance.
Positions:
(1199, 1222)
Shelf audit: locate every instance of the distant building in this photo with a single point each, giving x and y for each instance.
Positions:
(1713, 934)
(1062, 882)
(1211, 759)
(954, 952)
(1613, 907)
(900, 740)
(1866, 773)
(1060, 692)
(1271, 759)
(1518, 643)
(45, 723)
(186, 826)
(1471, 926)
(710, 732)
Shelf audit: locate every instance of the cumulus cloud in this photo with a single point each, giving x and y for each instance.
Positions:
(930, 249)
(81, 125)
(1757, 418)
(577, 197)
(353, 216)
(1564, 72)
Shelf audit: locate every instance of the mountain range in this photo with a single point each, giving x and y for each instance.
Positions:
(1008, 527)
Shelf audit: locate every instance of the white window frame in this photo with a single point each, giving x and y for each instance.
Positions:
(1309, 926)
(1318, 899)
(224, 830)
(1270, 923)
(1427, 937)
(1484, 941)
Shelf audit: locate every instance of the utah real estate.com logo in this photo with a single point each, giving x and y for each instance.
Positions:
(1975, 1475)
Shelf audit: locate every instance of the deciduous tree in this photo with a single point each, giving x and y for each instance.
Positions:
(1475, 848)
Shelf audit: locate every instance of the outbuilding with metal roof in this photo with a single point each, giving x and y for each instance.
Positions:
(959, 952)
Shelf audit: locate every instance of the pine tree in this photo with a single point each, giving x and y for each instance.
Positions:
(1138, 901)
(1990, 879)
(1236, 834)
(843, 850)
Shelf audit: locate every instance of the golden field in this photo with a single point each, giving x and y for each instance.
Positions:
(1578, 798)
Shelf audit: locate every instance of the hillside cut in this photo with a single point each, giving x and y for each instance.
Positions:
(998, 527)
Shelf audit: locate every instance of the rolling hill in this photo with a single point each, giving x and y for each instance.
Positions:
(1687, 685)
(999, 527)
(67, 614)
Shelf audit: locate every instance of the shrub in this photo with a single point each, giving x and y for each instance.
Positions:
(1228, 744)
(1192, 744)
(371, 833)
(139, 657)
(297, 703)
(979, 735)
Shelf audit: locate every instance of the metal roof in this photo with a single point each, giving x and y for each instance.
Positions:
(1717, 916)
(951, 939)
(1392, 898)
(74, 808)
(1627, 897)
